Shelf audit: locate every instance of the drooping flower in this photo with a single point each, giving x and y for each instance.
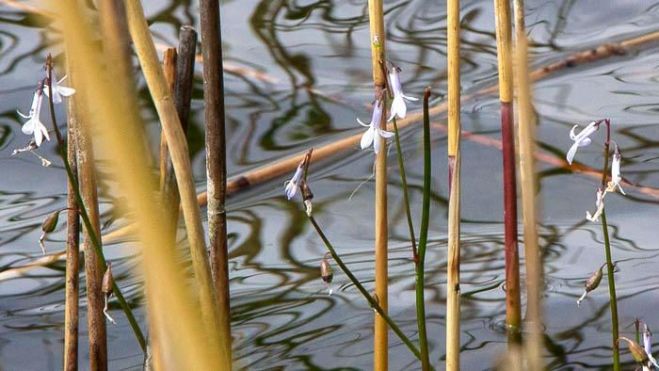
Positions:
(293, 184)
(34, 126)
(599, 202)
(369, 137)
(616, 178)
(638, 353)
(398, 106)
(647, 344)
(580, 140)
(58, 90)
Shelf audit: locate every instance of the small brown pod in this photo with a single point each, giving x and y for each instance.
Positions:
(108, 281)
(326, 271)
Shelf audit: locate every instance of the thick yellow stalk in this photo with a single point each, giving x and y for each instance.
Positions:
(178, 147)
(380, 337)
(526, 139)
(192, 344)
(453, 269)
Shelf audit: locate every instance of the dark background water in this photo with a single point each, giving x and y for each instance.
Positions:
(316, 61)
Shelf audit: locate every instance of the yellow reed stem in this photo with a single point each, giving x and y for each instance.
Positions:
(381, 340)
(191, 343)
(178, 147)
(526, 139)
(453, 57)
(453, 268)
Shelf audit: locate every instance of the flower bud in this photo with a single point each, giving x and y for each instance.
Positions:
(326, 271)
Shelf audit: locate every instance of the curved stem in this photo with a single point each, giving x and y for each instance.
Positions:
(373, 303)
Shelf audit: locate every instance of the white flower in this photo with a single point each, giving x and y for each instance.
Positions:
(615, 171)
(580, 140)
(398, 107)
(58, 90)
(293, 184)
(374, 127)
(600, 206)
(34, 126)
(647, 344)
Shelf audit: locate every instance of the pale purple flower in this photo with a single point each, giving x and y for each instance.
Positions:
(647, 344)
(599, 202)
(59, 90)
(369, 137)
(398, 106)
(580, 140)
(293, 184)
(34, 126)
(616, 178)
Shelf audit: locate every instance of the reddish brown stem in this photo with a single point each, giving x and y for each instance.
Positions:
(513, 315)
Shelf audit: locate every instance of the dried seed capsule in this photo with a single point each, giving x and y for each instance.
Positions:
(108, 281)
(326, 271)
(50, 222)
(637, 351)
(591, 284)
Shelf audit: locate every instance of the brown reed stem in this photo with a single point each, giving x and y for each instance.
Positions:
(168, 191)
(216, 168)
(533, 342)
(191, 342)
(453, 264)
(380, 337)
(176, 140)
(72, 283)
(504, 57)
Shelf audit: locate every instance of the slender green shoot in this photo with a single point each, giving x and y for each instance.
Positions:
(423, 237)
(406, 193)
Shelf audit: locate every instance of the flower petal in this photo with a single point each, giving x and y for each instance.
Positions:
(360, 122)
(38, 136)
(413, 99)
(573, 136)
(572, 152)
(66, 91)
(43, 129)
(584, 142)
(367, 138)
(28, 127)
(398, 107)
(376, 144)
(385, 134)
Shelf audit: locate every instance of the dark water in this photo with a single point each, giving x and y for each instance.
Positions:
(316, 58)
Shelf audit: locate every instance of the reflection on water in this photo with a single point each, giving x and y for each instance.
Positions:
(315, 55)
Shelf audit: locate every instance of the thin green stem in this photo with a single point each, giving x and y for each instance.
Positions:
(423, 238)
(85, 218)
(609, 261)
(373, 303)
(406, 195)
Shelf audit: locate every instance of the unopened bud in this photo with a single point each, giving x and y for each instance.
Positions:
(307, 196)
(49, 224)
(637, 351)
(326, 271)
(108, 281)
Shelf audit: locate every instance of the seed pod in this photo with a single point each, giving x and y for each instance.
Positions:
(594, 280)
(326, 271)
(108, 281)
(637, 351)
(50, 222)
